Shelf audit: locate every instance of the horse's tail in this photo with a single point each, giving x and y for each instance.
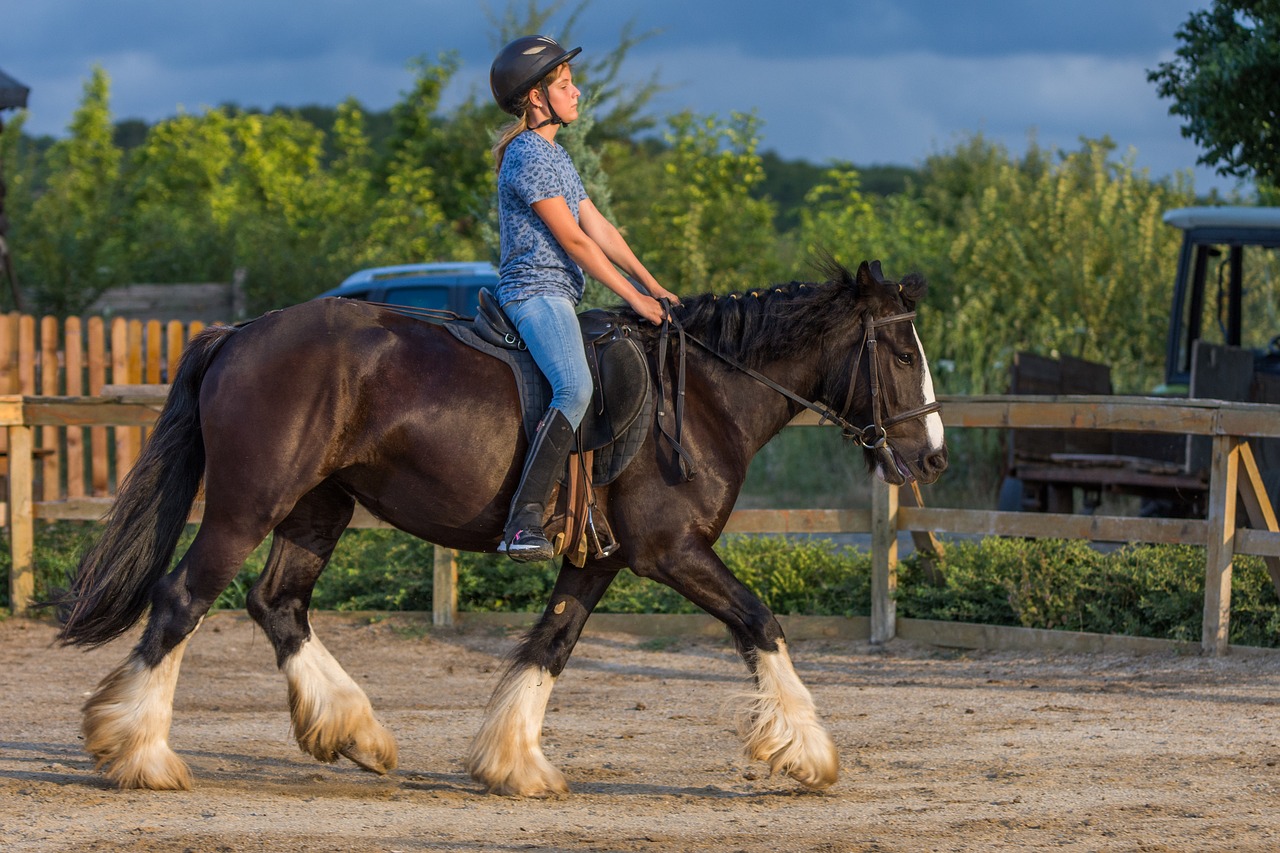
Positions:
(112, 584)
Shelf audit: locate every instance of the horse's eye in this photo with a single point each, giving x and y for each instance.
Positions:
(906, 359)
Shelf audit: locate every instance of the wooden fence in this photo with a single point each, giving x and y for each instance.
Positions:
(79, 357)
(81, 395)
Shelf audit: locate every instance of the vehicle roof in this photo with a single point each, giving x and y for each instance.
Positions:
(418, 271)
(1188, 218)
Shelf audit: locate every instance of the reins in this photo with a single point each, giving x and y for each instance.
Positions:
(873, 436)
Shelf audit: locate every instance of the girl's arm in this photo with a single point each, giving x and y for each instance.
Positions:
(589, 255)
(616, 249)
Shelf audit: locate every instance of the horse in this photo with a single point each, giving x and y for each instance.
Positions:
(291, 419)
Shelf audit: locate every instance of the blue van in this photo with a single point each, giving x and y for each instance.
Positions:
(450, 286)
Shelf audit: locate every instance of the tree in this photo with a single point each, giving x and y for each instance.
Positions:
(1059, 258)
(702, 229)
(70, 245)
(1224, 83)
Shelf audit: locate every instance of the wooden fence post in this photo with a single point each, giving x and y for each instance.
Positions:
(884, 561)
(1220, 545)
(22, 577)
(444, 588)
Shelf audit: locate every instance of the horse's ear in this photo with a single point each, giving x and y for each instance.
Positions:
(868, 275)
(870, 278)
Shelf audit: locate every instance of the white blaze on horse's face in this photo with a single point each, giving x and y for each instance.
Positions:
(933, 420)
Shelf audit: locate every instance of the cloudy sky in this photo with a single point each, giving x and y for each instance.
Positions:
(865, 81)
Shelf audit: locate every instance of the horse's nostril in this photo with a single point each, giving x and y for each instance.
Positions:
(936, 463)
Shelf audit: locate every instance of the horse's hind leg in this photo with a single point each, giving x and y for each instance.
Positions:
(127, 718)
(506, 755)
(330, 714)
(781, 725)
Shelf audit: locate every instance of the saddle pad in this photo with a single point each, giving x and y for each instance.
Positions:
(535, 395)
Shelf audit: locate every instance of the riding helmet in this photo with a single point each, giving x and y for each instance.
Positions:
(521, 64)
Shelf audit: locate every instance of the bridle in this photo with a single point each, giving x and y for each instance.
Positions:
(874, 436)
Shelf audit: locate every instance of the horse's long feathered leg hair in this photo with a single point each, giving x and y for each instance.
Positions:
(112, 584)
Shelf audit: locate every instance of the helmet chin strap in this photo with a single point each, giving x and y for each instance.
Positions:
(554, 119)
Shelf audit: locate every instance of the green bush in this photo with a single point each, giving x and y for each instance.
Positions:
(1136, 590)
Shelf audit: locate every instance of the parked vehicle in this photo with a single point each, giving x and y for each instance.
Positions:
(449, 286)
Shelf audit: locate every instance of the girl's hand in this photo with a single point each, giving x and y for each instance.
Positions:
(648, 308)
(657, 291)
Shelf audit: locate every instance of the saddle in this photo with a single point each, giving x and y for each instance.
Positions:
(612, 430)
(619, 371)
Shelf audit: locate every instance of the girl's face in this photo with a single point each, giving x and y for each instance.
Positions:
(564, 95)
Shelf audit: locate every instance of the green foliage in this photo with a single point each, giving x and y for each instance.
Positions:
(1056, 258)
(68, 238)
(1223, 85)
(1136, 590)
(704, 230)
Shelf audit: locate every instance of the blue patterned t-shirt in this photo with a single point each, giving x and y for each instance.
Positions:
(533, 261)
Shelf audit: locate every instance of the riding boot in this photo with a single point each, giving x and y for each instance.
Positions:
(523, 539)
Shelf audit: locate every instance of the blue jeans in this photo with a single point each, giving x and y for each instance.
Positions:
(549, 326)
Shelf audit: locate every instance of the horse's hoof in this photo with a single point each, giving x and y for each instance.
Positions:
(153, 768)
(547, 782)
(381, 759)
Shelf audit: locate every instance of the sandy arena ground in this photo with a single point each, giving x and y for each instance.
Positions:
(940, 749)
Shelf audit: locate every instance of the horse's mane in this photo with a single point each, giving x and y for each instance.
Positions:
(784, 320)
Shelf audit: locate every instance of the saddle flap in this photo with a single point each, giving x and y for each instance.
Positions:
(620, 374)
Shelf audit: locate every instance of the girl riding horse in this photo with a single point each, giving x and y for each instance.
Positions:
(550, 232)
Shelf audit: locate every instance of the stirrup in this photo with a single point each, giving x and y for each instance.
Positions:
(600, 540)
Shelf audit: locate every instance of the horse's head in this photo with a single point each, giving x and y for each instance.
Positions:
(886, 381)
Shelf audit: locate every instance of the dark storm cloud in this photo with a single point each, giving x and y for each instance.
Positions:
(868, 81)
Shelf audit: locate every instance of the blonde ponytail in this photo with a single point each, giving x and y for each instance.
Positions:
(506, 133)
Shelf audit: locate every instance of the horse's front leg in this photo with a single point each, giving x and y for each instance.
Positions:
(780, 725)
(506, 755)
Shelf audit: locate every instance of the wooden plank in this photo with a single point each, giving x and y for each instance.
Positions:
(797, 520)
(99, 473)
(8, 375)
(125, 453)
(154, 343)
(175, 339)
(1141, 414)
(444, 588)
(82, 411)
(50, 436)
(1258, 543)
(884, 561)
(1257, 506)
(22, 578)
(73, 509)
(1219, 543)
(26, 354)
(1096, 528)
(73, 353)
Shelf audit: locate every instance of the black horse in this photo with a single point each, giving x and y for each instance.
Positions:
(291, 419)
